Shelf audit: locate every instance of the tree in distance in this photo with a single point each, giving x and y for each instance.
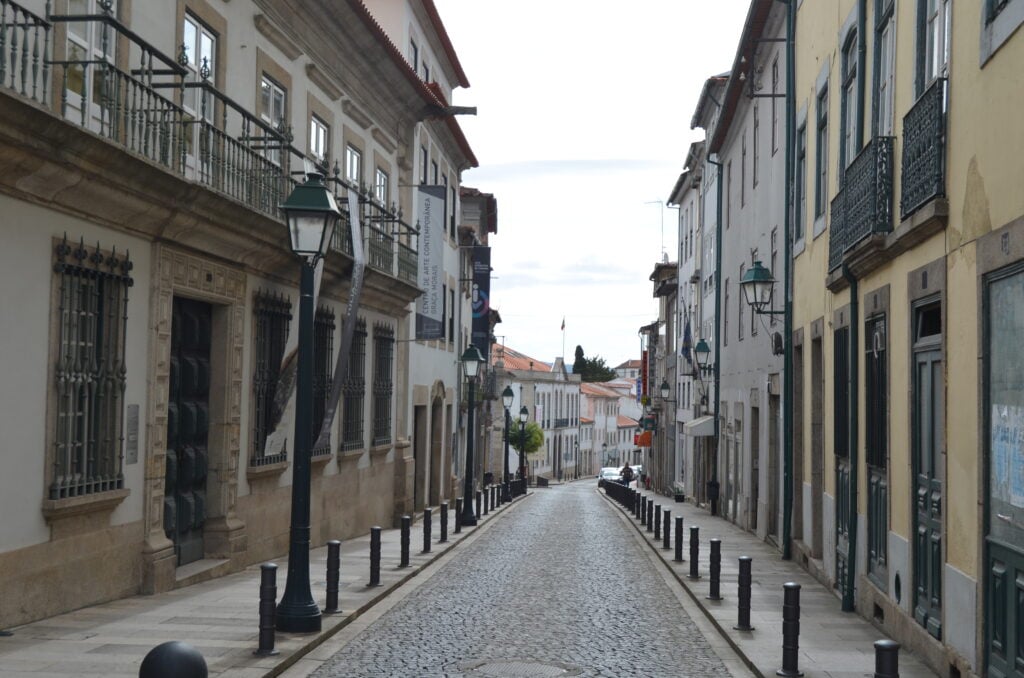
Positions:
(591, 369)
(534, 437)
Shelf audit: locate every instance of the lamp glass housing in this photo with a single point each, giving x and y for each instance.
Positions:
(507, 396)
(665, 389)
(703, 352)
(758, 285)
(471, 360)
(524, 414)
(311, 213)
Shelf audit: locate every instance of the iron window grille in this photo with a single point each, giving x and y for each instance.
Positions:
(323, 349)
(354, 391)
(383, 386)
(90, 370)
(272, 314)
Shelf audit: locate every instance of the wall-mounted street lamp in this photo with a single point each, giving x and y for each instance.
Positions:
(311, 213)
(507, 396)
(471, 360)
(758, 287)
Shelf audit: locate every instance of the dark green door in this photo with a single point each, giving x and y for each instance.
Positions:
(841, 446)
(1004, 499)
(187, 428)
(929, 468)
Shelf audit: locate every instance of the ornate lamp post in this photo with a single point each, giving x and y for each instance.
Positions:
(471, 360)
(524, 414)
(507, 396)
(312, 214)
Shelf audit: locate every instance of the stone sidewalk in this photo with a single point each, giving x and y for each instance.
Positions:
(831, 643)
(220, 617)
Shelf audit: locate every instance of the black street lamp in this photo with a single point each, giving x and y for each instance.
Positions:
(524, 414)
(604, 454)
(471, 360)
(312, 214)
(507, 396)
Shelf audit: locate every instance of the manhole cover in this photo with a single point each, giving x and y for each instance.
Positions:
(516, 668)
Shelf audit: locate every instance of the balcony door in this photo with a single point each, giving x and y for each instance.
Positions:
(201, 139)
(88, 77)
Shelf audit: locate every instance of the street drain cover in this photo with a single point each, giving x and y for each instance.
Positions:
(516, 668)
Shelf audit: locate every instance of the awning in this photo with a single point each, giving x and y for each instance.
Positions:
(701, 426)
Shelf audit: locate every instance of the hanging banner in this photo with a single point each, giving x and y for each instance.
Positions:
(643, 375)
(430, 305)
(481, 299)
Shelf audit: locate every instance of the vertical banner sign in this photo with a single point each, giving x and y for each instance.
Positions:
(643, 374)
(430, 305)
(482, 300)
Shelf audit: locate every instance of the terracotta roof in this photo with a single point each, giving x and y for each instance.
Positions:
(597, 390)
(442, 33)
(514, 360)
(586, 420)
(628, 364)
(626, 422)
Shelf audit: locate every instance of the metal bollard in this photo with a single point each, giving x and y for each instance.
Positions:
(427, 528)
(650, 516)
(406, 528)
(268, 613)
(887, 659)
(715, 570)
(458, 515)
(694, 551)
(444, 523)
(790, 630)
(495, 497)
(487, 501)
(479, 503)
(174, 659)
(679, 540)
(666, 530)
(374, 556)
(333, 574)
(643, 509)
(743, 596)
(657, 522)
(637, 503)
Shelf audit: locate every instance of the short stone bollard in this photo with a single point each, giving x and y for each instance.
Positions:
(715, 570)
(679, 540)
(657, 522)
(666, 530)
(427, 528)
(479, 503)
(743, 596)
(444, 523)
(268, 612)
(374, 556)
(790, 630)
(333, 574)
(174, 659)
(694, 551)
(495, 497)
(406, 529)
(458, 515)
(887, 659)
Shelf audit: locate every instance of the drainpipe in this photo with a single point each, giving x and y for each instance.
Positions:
(718, 318)
(787, 264)
(854, 407)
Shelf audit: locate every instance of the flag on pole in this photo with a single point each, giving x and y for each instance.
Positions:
(687, 343)
(563, 323)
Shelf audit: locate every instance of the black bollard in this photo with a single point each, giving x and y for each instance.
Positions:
(406, 528)
(637, 499)
(268, 613)
(479, 503)
(444, 523)
(427, 528)
(174, 659)
(650, 516)
(374, 556)
(643, 509)
(887, 659)
(458, 515)
(679, 540)
(743, 596)
(790, 630)
(694, 551)
(495, 497)
(333, 574)
(666, 530)
(657, 522)
(715, 570)
(487, 501)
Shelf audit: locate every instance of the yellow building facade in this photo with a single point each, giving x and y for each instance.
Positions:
(909, 293)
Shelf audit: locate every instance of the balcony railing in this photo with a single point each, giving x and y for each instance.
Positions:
(863, 205)
(160, 109)
(562, 422)
(922, 176)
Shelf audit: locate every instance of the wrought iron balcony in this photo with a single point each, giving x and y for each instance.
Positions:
(922, 176)
(562, 422)
(24, 39)
(863, 205)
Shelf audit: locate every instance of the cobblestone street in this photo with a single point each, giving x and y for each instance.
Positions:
(559, 586)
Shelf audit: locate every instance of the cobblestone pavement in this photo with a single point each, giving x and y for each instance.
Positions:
(558, 587)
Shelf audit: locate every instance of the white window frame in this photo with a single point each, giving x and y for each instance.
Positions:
(319, 138)
(353, 165)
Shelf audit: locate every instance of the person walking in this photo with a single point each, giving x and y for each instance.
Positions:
(627, 474)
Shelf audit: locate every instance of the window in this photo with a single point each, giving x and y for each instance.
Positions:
(800, 199)
(753, 169)
(319, 139)
(448, 205)
(775, 108)
(423, 164)
(821, 156)
(725, 313)
(353, 165)
(728, 193)
(199, 45)
(89, 371)
(414, 55)
(272, 314)
(743, 169)
(933, 50)
(454, 205)
(90, 43)
(849, 133)
(433, 173)
(740, 310)
(774, 239)
(354, 391)
(273, 111)
(885, 50)
(323, 370)
(426, 71)
(451, 315)
(381, 186)
(383, 366)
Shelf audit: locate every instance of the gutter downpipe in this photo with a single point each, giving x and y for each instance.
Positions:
(787, 317)
(849, 603)
(718, 318)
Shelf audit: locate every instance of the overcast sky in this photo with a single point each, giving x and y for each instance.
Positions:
(583, 125)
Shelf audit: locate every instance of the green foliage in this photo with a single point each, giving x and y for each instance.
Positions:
(534, 437)
(580, 363)
(592, 369)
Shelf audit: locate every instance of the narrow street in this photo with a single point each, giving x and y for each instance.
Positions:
(559, 586)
